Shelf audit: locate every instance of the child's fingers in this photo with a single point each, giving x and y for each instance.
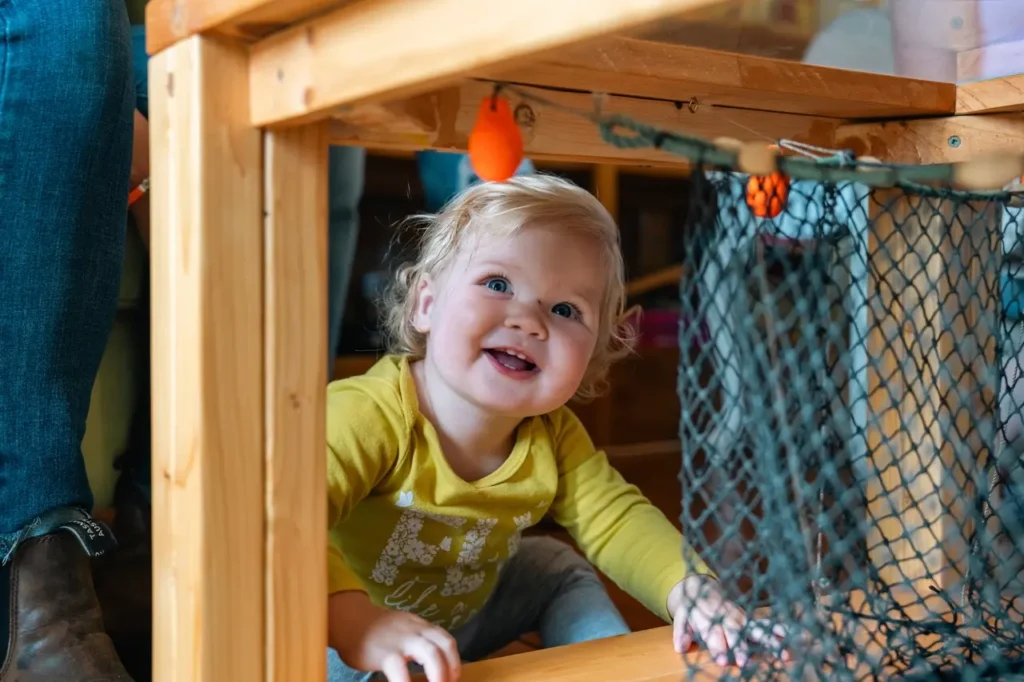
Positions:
(772, 637)
(761, 633)
(718, 645)
(736, 643)
(681, 637)
(394, 668)
(427, 654)
(448, 648)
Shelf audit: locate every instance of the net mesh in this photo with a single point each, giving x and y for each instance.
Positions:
(851, 422)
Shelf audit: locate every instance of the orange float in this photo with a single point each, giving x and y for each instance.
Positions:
(767, 194)
(495, 143)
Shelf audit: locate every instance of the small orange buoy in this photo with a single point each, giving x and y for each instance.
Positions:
(495, 143)
(767, 194)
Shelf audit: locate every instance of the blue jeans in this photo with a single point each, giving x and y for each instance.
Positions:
(66, 98)
(547, 588)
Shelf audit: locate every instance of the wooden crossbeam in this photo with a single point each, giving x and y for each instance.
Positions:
(168, 21)
(379, 50)
(443, 119)
(629, 66)
(1002, 94)
(938, 140)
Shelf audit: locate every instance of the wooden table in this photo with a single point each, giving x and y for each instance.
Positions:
(245, 96)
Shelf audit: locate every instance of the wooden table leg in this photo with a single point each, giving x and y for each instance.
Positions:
(208, 362)
(296, 353)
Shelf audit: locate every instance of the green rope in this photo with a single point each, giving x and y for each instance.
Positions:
(837, 169)
(624, 132)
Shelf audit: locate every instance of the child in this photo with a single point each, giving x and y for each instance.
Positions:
(443, 453)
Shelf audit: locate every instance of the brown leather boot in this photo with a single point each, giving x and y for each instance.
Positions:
(56, 628)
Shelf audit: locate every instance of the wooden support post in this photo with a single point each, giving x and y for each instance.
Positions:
(208, 407)
(606, 187)
(932, 288)
(296, 370)
(932, 373)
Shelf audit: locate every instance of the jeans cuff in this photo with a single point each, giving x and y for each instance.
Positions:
(41, 525)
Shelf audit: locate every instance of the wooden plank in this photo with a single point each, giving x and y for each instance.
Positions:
(931, 353)
(644, 68)
(938, 140)
(380, 50)
(669, 276)
(296, 370)
(444, 119)
(168, 21)
(1002, 94)
(207, 284)
(647, 655)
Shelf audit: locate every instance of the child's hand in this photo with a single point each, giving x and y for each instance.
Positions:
(699, 607)
(371, 638)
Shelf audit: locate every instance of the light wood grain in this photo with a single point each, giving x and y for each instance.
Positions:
(646, 68)
(927, 141)
(296, 355)
(168, 21)
(647, 655)
(1005, 93)
(207, 291)
(380, 50)
(444, 119)
(933, 294)
(669, 276)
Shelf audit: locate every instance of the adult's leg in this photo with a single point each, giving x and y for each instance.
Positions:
(124, 577)
(346, 173)
(65, 152)
(548, 588)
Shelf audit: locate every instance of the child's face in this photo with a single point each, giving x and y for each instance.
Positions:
(512, 322)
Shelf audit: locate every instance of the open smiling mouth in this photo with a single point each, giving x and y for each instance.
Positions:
(512, 360)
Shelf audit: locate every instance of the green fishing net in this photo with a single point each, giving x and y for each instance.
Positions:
(850, 420)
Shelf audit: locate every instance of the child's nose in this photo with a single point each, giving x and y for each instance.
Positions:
(527, 319)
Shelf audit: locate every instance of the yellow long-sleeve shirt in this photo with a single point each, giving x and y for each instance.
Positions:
(412, 534)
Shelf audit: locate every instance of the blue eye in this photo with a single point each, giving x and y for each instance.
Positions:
(565, 310)
(498, 284)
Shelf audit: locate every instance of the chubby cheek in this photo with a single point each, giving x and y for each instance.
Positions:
(575, 348)
(467, 320)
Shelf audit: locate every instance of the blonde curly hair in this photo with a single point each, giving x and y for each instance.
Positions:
(502, 208)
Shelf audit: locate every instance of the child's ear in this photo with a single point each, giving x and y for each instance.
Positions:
(424, 296)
